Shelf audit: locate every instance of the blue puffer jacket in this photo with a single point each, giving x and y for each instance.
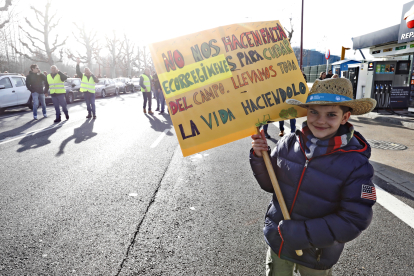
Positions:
(323, 196)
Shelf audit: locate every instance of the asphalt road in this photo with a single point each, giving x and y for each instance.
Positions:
(101, 197)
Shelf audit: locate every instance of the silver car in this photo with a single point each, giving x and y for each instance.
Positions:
(135, 81)
(121, 83)
(106, 87)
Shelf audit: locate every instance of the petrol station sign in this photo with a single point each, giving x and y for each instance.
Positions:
(406, 32)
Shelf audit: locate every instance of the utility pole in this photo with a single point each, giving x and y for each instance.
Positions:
(301, 40)
(343, 52)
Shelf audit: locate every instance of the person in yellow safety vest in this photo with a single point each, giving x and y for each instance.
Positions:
(145, 83)
(88, 81)
(55, 82)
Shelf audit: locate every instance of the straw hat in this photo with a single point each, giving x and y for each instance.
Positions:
(336, 92)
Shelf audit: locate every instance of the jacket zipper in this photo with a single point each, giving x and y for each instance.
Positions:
(318, 259)
(296, 194)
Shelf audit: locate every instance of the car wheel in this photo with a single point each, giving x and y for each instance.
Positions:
(133, 89)
(69, 98)
(103, 94)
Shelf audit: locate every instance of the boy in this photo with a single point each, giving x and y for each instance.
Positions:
(325, 177)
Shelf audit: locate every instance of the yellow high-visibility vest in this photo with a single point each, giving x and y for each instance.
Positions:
(147, 83)
(87, 85)
(56, 85)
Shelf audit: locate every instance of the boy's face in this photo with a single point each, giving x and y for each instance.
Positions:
(324, 120)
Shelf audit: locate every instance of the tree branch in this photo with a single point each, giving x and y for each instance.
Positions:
(6, 6)
(57, 46)
(30, 24)
(53, 26)
(37, 11)
(31, 37)
(4, 23)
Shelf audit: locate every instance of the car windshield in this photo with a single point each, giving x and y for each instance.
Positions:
(135, 80)
(101, 82)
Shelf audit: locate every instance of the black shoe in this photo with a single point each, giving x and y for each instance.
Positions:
(161, 112)
(157, 109)
(267, 136)
(57, 120)
(67, 116)
(89, 116)
(94, 116)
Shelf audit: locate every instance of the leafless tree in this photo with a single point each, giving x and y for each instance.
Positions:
(144, 60)
(290, 33)
(89, 41)
(114, 47)
(43, 53)
(128, 56)
(6, 6)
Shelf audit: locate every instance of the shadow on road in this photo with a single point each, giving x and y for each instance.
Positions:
(18, 130)
(159, 125)
(80, 134)
(39, 139)
(393, 180)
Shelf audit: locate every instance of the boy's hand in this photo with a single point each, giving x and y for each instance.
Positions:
(259, 143)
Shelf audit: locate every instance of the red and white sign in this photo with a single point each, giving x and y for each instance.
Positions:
(327, 54)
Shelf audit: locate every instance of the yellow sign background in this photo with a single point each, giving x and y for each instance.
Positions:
(221, 82)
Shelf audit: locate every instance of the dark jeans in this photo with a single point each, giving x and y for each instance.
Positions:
(292, 125)
(147, 97)
(160, 101)
(157, 97)
(90, 102)
(59, 100)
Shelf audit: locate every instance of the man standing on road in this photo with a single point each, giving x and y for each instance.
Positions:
(145, 83)
(158, 94)
(87, 88)
(34, 82)
(57, 91)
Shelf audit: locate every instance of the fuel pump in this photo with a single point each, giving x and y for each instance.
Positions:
(381, 95)
(387, 94)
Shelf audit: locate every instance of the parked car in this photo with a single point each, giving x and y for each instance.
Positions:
(72, 87)
(106, 87)
(137, 87)
(121, 83)
(13, 92)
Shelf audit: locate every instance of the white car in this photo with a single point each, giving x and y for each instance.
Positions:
(13, 92)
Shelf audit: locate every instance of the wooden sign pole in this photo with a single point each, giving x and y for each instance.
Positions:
(276, 188)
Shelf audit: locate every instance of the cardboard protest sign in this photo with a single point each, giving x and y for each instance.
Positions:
(220, 83)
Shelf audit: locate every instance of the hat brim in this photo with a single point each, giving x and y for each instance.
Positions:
(359, 106)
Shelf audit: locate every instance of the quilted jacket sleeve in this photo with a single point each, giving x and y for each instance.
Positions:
(260, 171)
(352, 217)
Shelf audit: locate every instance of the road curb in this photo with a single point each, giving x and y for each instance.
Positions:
(392, 119)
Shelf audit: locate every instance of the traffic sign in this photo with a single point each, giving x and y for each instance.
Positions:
(327, 54)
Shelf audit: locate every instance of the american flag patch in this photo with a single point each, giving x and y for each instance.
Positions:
(368, 192)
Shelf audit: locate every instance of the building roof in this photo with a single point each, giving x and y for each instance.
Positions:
(346, 61)
(382, 37)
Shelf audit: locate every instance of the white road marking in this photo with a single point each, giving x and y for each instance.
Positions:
(4, 141)
(156, 142)
(395, 206)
